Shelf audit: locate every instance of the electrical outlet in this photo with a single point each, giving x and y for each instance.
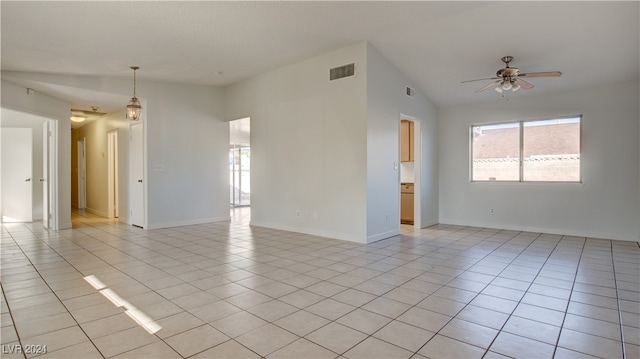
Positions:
(386, 217)
(491, 210)
(298, 213)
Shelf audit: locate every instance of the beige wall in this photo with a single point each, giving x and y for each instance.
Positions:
(95, 135)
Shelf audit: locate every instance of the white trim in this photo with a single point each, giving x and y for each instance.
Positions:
(189, 222)
(310, 231)
(554, 231)
(381, 236)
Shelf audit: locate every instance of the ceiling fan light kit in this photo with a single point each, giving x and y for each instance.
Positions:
(510, 78)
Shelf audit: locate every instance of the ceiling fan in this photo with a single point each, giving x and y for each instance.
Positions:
(510, 78)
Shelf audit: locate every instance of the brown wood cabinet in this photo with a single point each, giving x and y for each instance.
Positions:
(406, 203)
(406, 141)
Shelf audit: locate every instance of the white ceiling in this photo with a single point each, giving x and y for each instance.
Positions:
(435, 44)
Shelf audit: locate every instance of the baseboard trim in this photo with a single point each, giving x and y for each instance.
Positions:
(189, 222)
(381, 236)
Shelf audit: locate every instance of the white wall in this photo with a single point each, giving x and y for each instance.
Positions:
(16, 98)
(326, 149)
(386, 103)
(605, 205)
(184, 134)
(308, 145)
(187, 136)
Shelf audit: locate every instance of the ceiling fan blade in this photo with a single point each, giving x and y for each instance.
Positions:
(524, 84)
(488, 85)
(542, 74)
(488, 78)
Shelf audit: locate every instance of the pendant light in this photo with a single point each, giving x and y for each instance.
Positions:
(134, 108)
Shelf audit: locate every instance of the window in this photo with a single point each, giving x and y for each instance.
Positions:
(527, 151)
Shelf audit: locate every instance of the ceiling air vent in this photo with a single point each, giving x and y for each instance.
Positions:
(410, 92)
(342, 71)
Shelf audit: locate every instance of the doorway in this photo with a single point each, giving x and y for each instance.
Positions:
(410, 169)
(240, 162)
(112, 173)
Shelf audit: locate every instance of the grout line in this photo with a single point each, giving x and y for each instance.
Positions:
(615, 281)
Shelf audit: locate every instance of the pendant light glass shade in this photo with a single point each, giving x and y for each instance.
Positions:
(134, 108)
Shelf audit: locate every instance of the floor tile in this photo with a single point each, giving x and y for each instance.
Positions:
(249, 299)
(424, 319)
(470, 333)
(159, 350)
(516, 346)
(443, 347)
(301, 322)
(330, 309)
(40, 326)
(532, 329)
(539, 314)
(266, 339)
(404, 335)
(336, 337)
(440, 291)
(57, 340)
(196, 340)
(364, 321)
(273, 310)
(354, 297)
(387, 307)
(563, 353)
(229, 349)
(124, 341)
(177, 324)
(592, 326)
(494, 303)
(441, 305)
(238, 324)
(590, 344)
(301, 298)
(372, 348)
(302, 348)
(84, 350)
(214, 311)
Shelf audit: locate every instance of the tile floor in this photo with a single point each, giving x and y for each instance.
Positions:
(228, 290)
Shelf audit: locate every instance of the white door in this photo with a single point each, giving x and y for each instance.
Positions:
(17, 186)
(136, 180)
(45, 174)
(82, 173)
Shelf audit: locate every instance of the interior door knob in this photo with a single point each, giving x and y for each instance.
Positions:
(139, 181)
(28, 180)
(42, 179)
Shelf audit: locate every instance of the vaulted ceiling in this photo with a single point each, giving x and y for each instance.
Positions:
(435, 44)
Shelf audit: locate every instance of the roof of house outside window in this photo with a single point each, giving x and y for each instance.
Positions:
(557, 139)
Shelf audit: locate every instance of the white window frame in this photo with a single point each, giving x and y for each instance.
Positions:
(521, 124)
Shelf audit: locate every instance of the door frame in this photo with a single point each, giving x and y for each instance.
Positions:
(112, 174)
(417, 167)
(53, 164)
(49, 173)
(82, 173)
